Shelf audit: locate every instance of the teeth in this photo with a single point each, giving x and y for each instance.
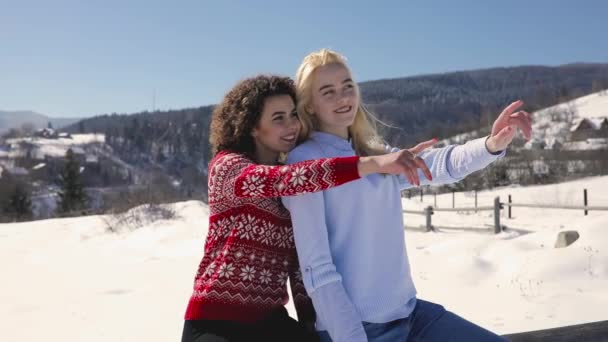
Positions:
(343, 109)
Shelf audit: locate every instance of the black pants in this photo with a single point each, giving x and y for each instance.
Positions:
(276, 327)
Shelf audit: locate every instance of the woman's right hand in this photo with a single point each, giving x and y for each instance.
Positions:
(405, 162)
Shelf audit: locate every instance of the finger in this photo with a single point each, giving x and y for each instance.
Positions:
(404, 170)
(410, 177)
(522, 124)
(423, 146)
(412, 170)
(524, 115)
(425, 170)
(511, 108)
(505, 136)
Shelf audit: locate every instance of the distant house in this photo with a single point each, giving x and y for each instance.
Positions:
(47, 133)
(589, 128)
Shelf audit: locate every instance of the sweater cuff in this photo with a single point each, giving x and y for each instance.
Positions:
(479, 149)
(346, 169)
(485, 143)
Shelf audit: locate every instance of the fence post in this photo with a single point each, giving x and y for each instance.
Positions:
(428, 212)
(497, 228)
(509, 206)
(475, 200)
(420, 194)
(409, 194)
(435, 199)
(453, 205)
(585, 200)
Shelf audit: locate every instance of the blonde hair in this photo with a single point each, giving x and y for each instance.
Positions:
(363, 132)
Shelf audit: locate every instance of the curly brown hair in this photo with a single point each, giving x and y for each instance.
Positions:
(240, 111)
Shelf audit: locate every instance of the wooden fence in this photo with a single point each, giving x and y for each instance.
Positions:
(496, 208)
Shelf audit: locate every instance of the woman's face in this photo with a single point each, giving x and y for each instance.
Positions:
(278, 127)
(335, 98)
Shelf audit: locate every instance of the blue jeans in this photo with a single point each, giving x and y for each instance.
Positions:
(428, 322)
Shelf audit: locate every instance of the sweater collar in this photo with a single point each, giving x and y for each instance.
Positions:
(332, 140)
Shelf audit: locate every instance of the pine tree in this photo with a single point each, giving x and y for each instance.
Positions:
(71, 196)
(19, 205)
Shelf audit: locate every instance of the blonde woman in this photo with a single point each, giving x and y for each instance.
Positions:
(350, 239)
(240, 287)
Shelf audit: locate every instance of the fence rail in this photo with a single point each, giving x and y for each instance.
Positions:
(552, 206)
(585, 207)
(464, 209)
(497, 207)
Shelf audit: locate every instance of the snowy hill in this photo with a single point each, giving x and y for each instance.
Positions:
(15, 119)
(75, 282)
(556, 123)
(589, 106)
(54, 148)
(37, 160)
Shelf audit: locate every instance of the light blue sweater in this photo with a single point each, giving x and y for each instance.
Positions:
(350, 239)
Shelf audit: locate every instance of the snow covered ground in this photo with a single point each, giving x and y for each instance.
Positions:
(54, 147)
(588, 106)
(69, 280)
(516, 280)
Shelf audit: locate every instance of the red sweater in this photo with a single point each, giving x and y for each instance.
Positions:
(250, 252)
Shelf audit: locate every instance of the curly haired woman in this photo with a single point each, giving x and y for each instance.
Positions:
(240, 287)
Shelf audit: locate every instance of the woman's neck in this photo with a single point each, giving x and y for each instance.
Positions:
(341, 132)
(266, 157)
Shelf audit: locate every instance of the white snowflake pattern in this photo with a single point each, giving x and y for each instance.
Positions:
(298, 176)
(247, 273)
(224, 226)
(265, 276)
(248, 227)
(284, 240)
(276, 236)
(253, 185)
(226, 270)
(282, 277)
(210, 269)
(279, 186)
(266, 233)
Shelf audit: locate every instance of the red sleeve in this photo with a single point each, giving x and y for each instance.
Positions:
(238, 175)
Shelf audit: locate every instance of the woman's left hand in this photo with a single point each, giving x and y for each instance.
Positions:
(505, 127)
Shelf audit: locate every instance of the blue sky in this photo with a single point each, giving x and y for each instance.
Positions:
(82, 58)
